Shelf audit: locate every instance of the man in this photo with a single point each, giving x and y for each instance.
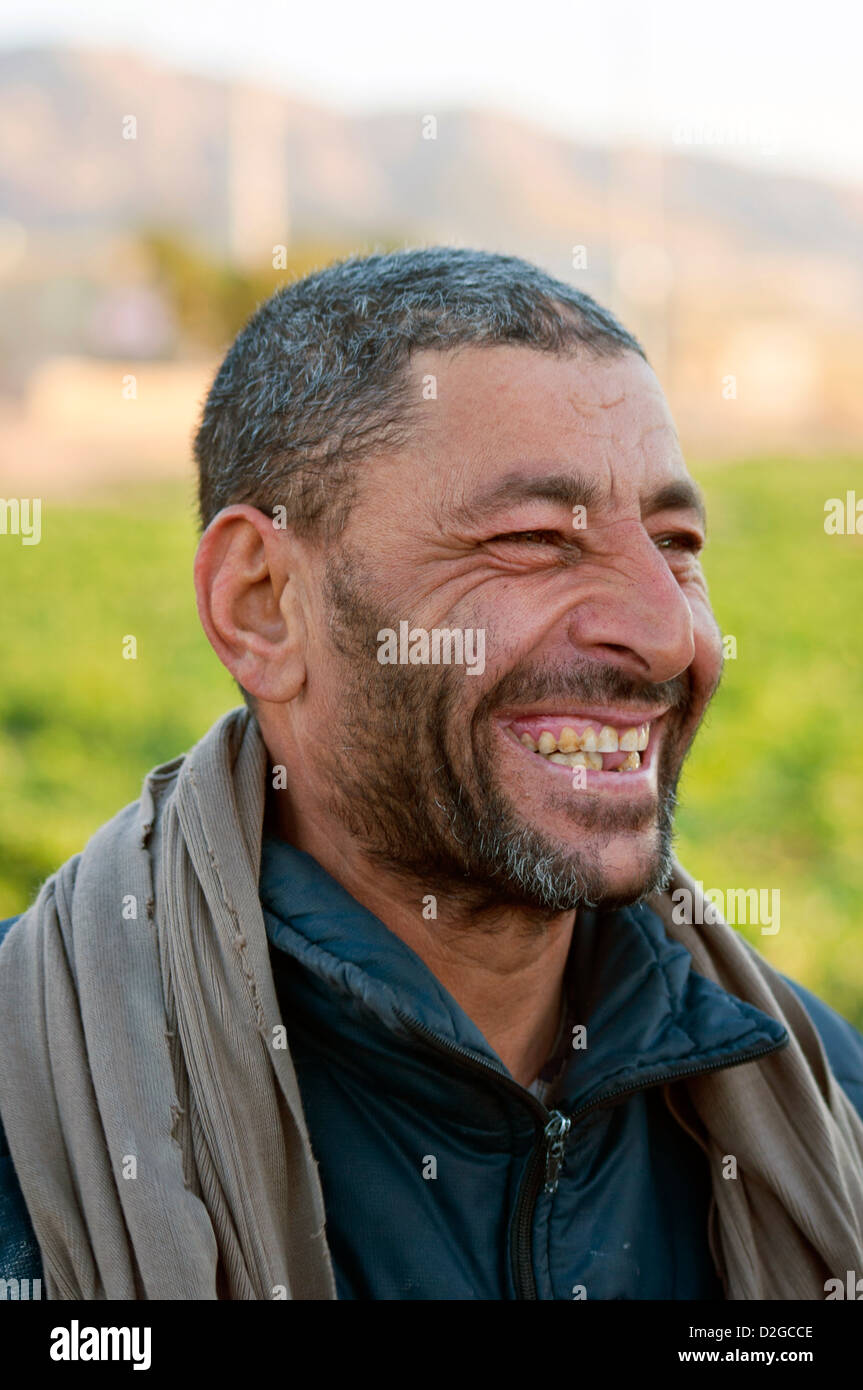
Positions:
(383, 992)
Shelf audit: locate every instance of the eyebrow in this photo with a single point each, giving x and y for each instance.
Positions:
(572, 490)
(680, 496)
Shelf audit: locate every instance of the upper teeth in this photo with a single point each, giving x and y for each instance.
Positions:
(604, 740)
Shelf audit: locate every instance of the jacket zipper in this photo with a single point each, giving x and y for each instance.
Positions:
(546, 1158)
(521, 1253)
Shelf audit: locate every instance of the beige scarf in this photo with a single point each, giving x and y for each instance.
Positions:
(153, 1113)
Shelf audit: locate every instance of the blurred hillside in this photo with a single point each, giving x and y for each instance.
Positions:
(745, 285)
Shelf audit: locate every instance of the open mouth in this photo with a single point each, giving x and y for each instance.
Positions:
(599, 745)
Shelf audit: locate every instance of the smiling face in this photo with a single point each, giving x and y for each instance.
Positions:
(547, 777)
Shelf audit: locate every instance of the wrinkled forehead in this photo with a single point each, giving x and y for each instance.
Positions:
(490, 415)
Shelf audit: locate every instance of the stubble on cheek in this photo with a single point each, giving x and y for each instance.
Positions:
(391, 728)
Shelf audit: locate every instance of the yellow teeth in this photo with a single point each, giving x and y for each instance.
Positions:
(570, 749)
(607, 740)
(592, 760)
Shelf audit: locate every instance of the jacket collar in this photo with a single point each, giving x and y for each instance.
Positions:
(649, 1018)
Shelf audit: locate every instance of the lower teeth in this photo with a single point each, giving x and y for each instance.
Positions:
(594, 762)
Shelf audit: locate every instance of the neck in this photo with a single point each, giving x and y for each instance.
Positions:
(503, 965)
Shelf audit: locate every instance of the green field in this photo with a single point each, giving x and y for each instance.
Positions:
(773, 792)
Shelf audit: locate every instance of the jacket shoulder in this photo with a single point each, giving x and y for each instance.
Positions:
(19, 1249)
(7, 924)
(842, 1043)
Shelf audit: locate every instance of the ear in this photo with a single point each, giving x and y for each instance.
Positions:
(249, 588)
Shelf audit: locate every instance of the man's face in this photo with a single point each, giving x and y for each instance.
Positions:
(594, 620)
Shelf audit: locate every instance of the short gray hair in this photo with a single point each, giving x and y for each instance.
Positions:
(317, 378)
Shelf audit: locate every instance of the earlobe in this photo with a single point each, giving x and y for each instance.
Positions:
(248, 602)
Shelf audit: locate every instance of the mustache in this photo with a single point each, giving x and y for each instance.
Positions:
(589, 682)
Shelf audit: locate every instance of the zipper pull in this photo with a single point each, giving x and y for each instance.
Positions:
(555, 1142)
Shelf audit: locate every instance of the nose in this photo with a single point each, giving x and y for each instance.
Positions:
(636, 615)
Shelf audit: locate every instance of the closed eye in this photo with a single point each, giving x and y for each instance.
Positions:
(531, 537)
(680, 540)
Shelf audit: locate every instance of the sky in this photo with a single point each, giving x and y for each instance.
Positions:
(756, 81)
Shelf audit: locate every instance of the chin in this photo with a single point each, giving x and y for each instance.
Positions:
(618, 855)
(621, 869)
(626, 890)
(543, 872)
(628, 868)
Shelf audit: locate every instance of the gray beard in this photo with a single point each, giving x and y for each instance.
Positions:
(537, 872)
